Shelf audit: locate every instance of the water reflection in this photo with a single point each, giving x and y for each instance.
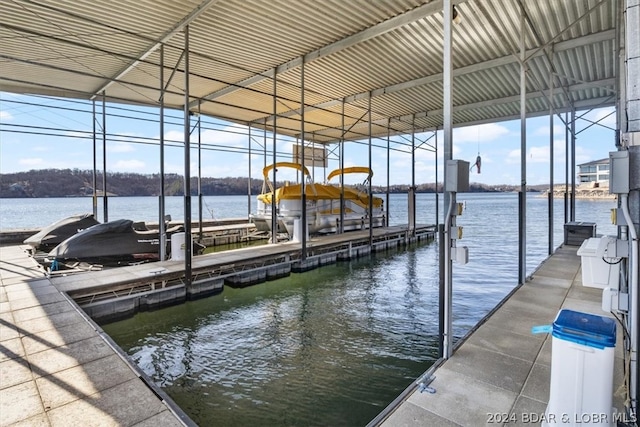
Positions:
(332, 346)
(328, 347)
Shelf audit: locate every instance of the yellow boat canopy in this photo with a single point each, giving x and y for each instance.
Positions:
(267, 169)
(353, 169)
(292, 165)
(319, 192)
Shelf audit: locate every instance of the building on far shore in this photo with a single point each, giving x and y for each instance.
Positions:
(596, 171)
(592, 182)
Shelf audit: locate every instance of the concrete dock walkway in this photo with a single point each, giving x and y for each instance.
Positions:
(57, 368)
(500, 374)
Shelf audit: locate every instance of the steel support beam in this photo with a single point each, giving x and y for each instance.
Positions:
(161, 222)
(388, 171)
(498, 62)
(551, 162)
(274, 206)
(303, 196)
(522, 208)
(573, 164)
(249, 180)
(199, 173)
(341, 228)
(369, 188)
(179, 26)
(447, 81)
(188, 247)
(105, 199)
(95, 160)
(383, 27)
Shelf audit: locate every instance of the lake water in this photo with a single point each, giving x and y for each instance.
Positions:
(332, 346)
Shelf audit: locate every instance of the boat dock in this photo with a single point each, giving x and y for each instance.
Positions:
(117, 293)
(500, 372)
(58, 367)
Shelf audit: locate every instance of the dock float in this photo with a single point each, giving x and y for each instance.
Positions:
(120, 292)
(58, 368)
(499, 373)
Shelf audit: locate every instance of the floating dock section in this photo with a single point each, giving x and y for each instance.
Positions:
(500, 373)
(117, 293)
(58, 367)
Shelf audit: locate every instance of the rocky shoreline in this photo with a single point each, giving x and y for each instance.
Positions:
(583, 191)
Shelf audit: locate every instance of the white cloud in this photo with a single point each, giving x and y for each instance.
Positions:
(174, 135)
(5, 116)
(233, 136)
(513, 156)
(479, 133)
(174, 168)
(544, 131)
(129, 166)
(230, 136)
(31, 162)
(120, 147)
(538, 155)
(583, 155)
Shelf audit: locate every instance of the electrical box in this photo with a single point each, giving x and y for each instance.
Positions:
(457, 176)
(617, 217)
(460, 254)
(619, 172)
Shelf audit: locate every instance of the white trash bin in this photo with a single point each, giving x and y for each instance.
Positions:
(297, 231)
(596, 273)
(582, 354)
(178, 252)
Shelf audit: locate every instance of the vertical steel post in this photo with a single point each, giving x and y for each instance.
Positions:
(437, 198)
(573, 163)
(303, 196)
(274, 216)
(105, 208)
(370, 188)
(447, 108)
(566, 167)
(522, 208)
(188, 247)
(342, 173)
(441, 292)
(249, 180)
(388, 168)
(264, 145)
(95, 173)
(551, 159)
(161, 224)
(412, 194)
(199, 173)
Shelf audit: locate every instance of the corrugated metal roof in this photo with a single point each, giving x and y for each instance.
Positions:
(391, 49)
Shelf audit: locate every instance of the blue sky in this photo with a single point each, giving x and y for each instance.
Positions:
(22, 149)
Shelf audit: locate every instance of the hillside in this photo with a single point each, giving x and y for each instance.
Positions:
(77, 183)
